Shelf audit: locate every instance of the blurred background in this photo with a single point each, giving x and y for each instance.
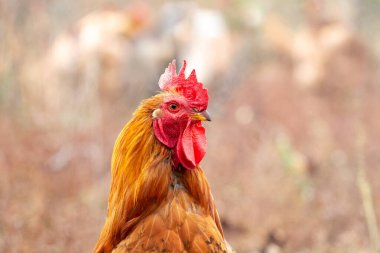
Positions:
(294, 145)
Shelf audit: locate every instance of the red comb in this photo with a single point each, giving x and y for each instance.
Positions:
(190, 88)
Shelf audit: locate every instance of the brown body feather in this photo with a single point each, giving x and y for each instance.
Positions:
(152, 208)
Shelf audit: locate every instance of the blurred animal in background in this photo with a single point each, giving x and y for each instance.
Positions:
(160, 200)
(323, 51)
(101, 39)
(86, 64)
(204, 39)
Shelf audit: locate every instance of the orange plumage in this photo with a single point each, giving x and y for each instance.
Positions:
(155, 204)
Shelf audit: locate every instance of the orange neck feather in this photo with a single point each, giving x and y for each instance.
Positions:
(141, 176)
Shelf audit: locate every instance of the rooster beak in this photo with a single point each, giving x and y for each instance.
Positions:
(203, 116)
(206, 115)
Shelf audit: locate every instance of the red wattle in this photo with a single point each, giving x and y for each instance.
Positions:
(191, 145)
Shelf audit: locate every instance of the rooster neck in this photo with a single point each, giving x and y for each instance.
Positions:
(176, 181)
(195, 184)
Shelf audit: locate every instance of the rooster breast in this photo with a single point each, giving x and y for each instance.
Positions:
(178, 225)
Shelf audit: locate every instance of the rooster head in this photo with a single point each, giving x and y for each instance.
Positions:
(177, 121)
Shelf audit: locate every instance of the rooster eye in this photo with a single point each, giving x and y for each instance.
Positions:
(173, 107)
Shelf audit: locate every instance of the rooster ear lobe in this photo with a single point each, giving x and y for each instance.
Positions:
(157, 113)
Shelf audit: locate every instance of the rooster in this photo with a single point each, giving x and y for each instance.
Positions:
(160, 200)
